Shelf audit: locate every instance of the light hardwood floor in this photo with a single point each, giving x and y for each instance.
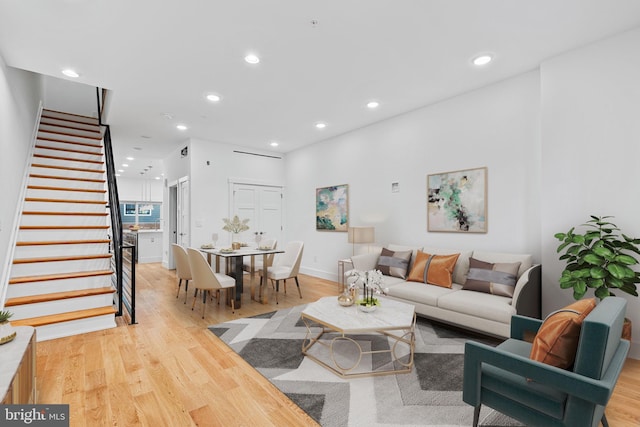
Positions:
(169, 370)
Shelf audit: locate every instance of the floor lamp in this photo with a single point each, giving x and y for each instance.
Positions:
(361, 235)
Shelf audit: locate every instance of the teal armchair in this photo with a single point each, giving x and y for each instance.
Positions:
(537, 394)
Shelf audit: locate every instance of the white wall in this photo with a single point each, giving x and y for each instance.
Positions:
(496, 127)
(209, 183)
(20, 94)
(590, 150)
(69, 96)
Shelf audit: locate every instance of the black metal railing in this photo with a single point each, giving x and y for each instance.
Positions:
(124, 280)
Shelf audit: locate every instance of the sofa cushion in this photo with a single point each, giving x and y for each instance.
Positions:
(557, 339)
(414, 250)
(462, 266)
(433, 269)
(394, 263)
(493, 278)
(485, 306)
(420, 293)
(525, 260)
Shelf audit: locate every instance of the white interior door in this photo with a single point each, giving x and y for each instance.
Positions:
(263, 206)
(183, 238)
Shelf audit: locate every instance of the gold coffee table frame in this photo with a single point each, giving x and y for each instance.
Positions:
(389, 319)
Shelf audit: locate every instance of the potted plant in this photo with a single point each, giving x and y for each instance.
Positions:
(235, 226)
(7, 333)
(599, 259)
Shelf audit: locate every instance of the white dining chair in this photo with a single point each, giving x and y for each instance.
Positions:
(205, 279)
(285, 266)
(183, 270)
(257, 260)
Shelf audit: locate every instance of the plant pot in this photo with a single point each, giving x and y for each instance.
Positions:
(367, 308)
(7, 333)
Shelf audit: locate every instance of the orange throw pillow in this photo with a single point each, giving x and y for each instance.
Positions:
(556, 342)
(433, 269)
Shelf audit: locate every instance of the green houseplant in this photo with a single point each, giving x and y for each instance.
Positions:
(600, 259)
(7, 333)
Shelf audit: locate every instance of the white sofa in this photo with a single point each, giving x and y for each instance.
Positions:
(479, 311)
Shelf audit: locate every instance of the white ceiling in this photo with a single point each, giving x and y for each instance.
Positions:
(162, 57)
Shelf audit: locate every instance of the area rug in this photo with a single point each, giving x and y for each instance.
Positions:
(430, 395)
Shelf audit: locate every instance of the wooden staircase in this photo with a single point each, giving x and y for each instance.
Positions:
(61, 274)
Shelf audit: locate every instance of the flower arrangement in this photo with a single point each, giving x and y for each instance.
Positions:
(371, 282)
(235, 225)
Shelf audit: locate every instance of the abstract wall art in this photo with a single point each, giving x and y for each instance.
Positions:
(332, 208)
(457, 201)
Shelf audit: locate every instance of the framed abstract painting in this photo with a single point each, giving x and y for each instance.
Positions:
(332, 208)
(457, 201)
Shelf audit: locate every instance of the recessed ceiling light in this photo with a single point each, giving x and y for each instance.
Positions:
(321, 125)
(213, 97)
(157, 177)
(274, 144)
(181, 127)
(117, 174)
(130, 158)
(124, 165)
(483, 59)
(373, 104)
(252, 59)
(70, 73)
(120, 170)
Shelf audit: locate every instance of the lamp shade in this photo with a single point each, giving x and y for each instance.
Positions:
(362, 234)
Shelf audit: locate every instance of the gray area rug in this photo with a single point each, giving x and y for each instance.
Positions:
(430, 395)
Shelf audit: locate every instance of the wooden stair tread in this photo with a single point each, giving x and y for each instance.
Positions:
(64, 213)
(37, 175)
(64, 227)
(46, 112)
(66, 168)
(62, 242)
(56, 296)
(48, 200)
(60, 276)
(68, 124)
(95, 132)
(84, 144)
(46, 156)
(51, 188)
(64, 317)
(69, 150)
(55, 132)
(60, 258)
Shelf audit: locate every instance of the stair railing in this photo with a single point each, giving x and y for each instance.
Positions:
(124, 279)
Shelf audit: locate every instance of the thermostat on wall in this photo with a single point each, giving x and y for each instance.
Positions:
(395, 187)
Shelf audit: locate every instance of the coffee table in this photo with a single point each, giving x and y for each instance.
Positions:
(393, 319)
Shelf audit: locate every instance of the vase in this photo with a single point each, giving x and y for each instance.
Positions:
(346, 299)
(235, 245)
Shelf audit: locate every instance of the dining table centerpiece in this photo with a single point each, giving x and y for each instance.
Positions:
(371, 282)
(235, 226)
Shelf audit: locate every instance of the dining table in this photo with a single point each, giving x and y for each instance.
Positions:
(234, 267)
